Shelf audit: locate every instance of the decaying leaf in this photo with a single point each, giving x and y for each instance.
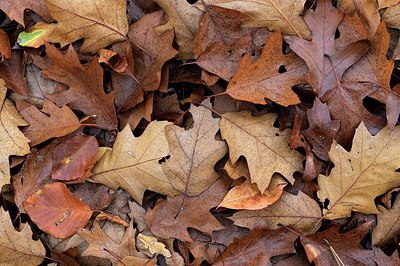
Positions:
(56, 211)
(15, 9)
(362, 174)
(154, 246)
(18, 247)
(388, 227)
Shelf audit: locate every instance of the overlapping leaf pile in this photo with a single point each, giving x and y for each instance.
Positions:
(219, 132)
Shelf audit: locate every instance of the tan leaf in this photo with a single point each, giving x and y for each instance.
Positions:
(392, 16)
(13, 142)
(194, 152)
(275, 15)
(237, 170)
(184, 19)
(133, 163)
(264, 146)
(367, 10)
(388, 227)
(247, 196)
(50, 122)
(387, 3)
(18, 248)
(56, 211)
(153, 245)
(97, 21)
(362, 174)
(299, 211)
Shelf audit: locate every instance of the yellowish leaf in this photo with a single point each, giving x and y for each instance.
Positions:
(392, 16)
(362, 174)
(152, 244)
(388, 227)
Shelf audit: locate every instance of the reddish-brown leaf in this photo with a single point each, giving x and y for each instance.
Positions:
(74, 158)
(56, 211)
(15, 9)
(5, 48)
(96, 196)
(13, 72)
(113, 60)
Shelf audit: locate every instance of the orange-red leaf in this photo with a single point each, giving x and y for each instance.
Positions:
(56, 211)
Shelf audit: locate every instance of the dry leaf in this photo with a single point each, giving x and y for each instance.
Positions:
(15, 9)
(362, 174)
(388, 227)
(152, 244)
(133, 164)
(56, 211)
(12, 140)
(367, 10)
(264, 147)
(392, 16)
(13, 72)
(5, 47)
(113, 60)
(18, 248)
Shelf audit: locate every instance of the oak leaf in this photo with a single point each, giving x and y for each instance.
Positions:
(12, 139)
(254, 82)
(264, 147)
(184, 19)
(347, 247)
(133, 164)
(194, 152)
(392, 16)
(50, 122)
(13, 72)
(153, 245)
(98, 22)
(388, 227)
(16, 9)
(299, 211)
(85, 91)
(362, 174)
(172, 217)
(284, 16)
(18, 248)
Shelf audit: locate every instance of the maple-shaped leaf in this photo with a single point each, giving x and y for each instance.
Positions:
(264, 146)
(362, 174)
(299, 211)
(254, 82)
(276, 15)
(50, 122)
(56, 211)
(15, 9)
(258, 247)
(85, 91)
(173, 216)
(133, 164)
(325, 62)
(18, 248)
(74, 158)
(12, 139)
(322, 129)
(194, 152)
(347, 247)
(221, 41)
(247, 196)
(101, 245)
(184, 19)
(98, 22)
(388, 227)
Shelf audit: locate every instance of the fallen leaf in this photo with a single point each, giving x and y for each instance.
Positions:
(388, 227)
(194, 152)
(392, 16)
(265, 78)
(50, 122)
(258, 247)
(12, 139)
(246, 134)
(184, 19)
(133, 164)
(367, 10)
(347, 247)
(96, 196)
(362, 174)
(387, 3)
(153, 245)
(15, 10)
(133, 116)
(104, 25)
(173, 216)
(85, 91)
(237, 170)
(56, 211)
(12, 71)
(5, 47)
(18, 247)
(74, 158)
(113, 60)
(299, 211)
(248, 197)
(274, 15)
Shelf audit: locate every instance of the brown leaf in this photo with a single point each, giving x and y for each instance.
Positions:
(13, 72)
(173, 216)
(85, 91)
(96, 196)
(74, 158)
(258, 247)
(347, 246)
(194, 153)
(50, 122)
(113, 60)
(56, 211)
(5, 48)
(265, 78)
(15, 10)
(388, 227)
(141, 111)
(247, 196)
